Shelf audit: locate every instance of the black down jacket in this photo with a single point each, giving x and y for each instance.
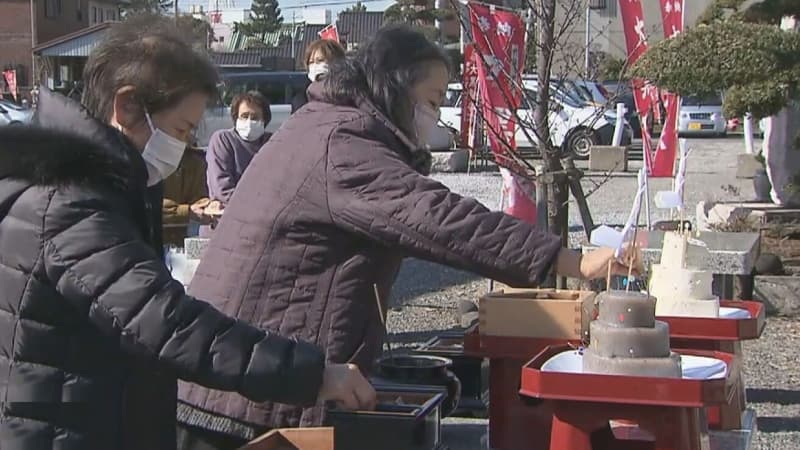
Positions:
(94, 331)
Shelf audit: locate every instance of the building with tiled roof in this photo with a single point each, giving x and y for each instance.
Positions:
(289, 42)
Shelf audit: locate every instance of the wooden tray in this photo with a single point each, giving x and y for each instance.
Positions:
(717, 329)
(628, 389)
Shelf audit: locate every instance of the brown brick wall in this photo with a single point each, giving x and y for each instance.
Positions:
(49, 28)
(16, 41)
(15, 37)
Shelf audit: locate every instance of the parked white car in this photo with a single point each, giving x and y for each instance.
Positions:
(702, 116)
(574, 126)
(13, 114)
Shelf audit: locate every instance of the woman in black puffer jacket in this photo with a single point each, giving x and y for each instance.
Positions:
(94, 332)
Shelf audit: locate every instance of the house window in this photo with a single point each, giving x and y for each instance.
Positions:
(52, 8)
(610, 10)
(111, 15)
(79, 11)
(94, 20)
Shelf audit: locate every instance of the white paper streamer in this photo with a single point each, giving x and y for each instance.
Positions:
(633, 218)
(608, 237)
(674, 198)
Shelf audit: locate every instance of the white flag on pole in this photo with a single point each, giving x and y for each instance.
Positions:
(606, 236)
(674, 198)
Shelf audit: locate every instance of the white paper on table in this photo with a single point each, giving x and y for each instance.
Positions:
(693, 367)
(733, 313)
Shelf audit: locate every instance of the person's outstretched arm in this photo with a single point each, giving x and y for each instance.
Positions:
(97, 261)
(376, 194)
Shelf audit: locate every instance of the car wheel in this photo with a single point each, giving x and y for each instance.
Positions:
(580, 142)
(14, 124)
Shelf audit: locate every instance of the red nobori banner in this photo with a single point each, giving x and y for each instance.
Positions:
(498, 38)
(636, 44)
(330, 33)
(469, 96)
(10, 76)
(672, 17)
(667, 150)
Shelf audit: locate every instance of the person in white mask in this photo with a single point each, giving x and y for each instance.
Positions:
(230, 151)
(329, 208)
(96, 332)
(318, 59)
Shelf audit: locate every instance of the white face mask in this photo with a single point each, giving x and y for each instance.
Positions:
(315, 70)
(425, 122)
(249, 129)
(162, 154)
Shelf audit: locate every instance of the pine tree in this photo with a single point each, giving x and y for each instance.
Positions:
(420, 14)
(358, 7)
(265, 17)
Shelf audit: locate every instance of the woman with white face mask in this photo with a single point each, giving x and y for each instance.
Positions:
(319, 56)
(328, 210)
(96, 331)
(230, 151)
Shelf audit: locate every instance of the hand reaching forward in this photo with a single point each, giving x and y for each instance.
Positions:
(344, 384)
(594, 265)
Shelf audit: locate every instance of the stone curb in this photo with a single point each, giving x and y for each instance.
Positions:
(780, 294)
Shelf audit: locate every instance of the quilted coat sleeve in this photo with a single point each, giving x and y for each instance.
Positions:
(97, 261)
(374, 192)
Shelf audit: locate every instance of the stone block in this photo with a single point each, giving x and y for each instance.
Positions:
(780, 294)
(608, 158)
(194, 247)
(735, 217)
(747, 166)
(455, 161)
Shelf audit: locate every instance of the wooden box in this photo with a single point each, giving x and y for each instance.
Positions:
(537, 313)
(293, 439)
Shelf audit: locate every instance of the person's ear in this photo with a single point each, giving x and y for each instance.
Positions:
(126, 110)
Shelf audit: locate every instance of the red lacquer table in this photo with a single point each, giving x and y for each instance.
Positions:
(670, 411)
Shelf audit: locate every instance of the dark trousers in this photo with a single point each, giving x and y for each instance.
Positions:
(193, 438)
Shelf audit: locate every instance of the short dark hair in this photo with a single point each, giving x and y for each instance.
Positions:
(254, 98)
(331, 50)
(384, 71)
(148, 54)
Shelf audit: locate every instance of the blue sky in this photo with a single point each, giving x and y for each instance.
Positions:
(287, 6)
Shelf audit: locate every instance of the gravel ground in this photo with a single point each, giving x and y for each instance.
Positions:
(426, 295)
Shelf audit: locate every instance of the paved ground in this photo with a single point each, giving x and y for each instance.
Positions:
(426, 295)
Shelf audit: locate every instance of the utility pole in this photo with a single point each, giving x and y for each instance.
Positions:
(588, 41)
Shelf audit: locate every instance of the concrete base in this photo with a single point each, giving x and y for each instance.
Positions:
(606, 158)
(455, 161)
(712, 216)
(750, 215)
(780, 294)
(747, 166)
